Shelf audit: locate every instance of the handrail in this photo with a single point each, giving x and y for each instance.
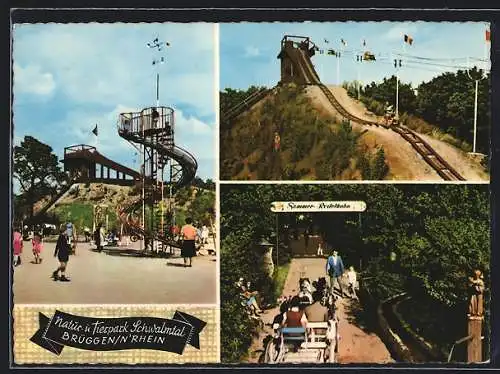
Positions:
(244, 104)
(460, 341)
(137, 122)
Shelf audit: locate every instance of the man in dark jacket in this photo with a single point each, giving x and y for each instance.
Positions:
(335, 270)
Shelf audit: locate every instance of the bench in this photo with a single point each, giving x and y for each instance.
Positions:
(293, 334)
(317, 335)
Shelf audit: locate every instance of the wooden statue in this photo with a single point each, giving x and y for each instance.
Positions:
(476, 290)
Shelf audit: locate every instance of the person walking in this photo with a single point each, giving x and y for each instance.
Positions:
(17, 246)
(204, 234)
(306, 240)
(335, 270)
(99, 237)
(320, 249)
(62, 252)
(188, 235)
(37, 243)
(71, 234)
(277, 142)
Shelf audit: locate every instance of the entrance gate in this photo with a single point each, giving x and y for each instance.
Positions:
(313, 207)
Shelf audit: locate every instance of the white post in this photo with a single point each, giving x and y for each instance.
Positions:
(475, 106)
(397, 92)
(157, 90)
(475, 118)
(338, 70)
(143, 148)
(358, 83)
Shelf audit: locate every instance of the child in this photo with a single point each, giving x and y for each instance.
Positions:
(352, 279)
(37, 248)
(62, 252)
(18, 247)
(277, 142)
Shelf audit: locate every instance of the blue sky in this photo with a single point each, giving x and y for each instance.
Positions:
(248, 52)
(69, 77)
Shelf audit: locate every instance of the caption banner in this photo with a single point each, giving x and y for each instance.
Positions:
(110, 334)
(317, 206)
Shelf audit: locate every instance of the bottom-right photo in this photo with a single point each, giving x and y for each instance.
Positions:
(355, 273)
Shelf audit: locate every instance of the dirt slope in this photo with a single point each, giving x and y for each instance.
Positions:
(97, 193)
(404, 162)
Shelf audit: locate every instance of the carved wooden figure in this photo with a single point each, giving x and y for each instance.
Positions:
(476, 291)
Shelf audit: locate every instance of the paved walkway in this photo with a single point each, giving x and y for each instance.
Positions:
(357, 345)
(113, 279)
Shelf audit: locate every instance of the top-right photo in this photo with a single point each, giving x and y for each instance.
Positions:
(405, 101)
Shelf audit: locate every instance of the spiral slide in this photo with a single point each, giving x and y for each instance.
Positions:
(155, 134)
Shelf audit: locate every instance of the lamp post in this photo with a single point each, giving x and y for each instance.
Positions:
(267, 260)
(158, 46)
(397, 65)
(476, 81)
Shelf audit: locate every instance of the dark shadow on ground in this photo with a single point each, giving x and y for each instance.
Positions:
(356, 315)
(176, 264)
(134, 253)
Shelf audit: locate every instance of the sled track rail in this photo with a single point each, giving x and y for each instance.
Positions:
(416, 353)
(443, 168)
(244, 105)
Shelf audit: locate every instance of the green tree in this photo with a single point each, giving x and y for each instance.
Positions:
(231, 97)
(438, 232)
(446, 101)
(37, 170)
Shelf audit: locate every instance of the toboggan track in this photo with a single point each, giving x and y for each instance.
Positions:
(443, 168)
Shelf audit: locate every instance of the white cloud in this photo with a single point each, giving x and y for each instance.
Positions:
(191, 126)
(102, 70)
(32, 80)
(252, 51)
(109, 63)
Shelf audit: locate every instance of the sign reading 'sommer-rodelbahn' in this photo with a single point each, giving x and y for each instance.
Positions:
(317, 206)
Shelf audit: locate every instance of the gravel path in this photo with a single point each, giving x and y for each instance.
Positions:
(112, 279)
(357, 344)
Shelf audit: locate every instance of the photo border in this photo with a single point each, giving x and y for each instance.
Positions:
(369, 13)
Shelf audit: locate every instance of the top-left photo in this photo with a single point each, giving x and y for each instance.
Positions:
(114, 163)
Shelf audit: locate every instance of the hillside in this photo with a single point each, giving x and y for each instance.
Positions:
(317, 145)
(404, 162)
(78, 202)
(314, 145)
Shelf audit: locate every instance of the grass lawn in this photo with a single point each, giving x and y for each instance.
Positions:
(280, 274)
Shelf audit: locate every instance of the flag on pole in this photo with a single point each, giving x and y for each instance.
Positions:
(488, 35)
(326, 41)
(344, 43)
(408, 39)
(95, 130)
(364, 43)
